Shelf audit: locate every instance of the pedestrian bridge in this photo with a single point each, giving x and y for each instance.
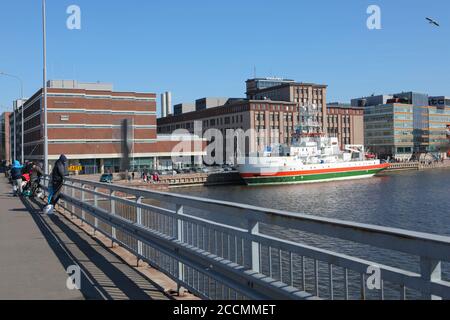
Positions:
(222, 250)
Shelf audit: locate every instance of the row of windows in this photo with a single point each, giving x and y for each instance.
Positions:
(379, 141)
(236, 119)
(403, 117)
(306, 101)
(440, 119)
(287, 130)
(334, 119)
(268, 107)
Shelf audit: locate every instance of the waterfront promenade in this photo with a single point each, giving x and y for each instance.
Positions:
(402, 166)
(36, 250)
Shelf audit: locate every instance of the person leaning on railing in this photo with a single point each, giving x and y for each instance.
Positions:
(56, 183)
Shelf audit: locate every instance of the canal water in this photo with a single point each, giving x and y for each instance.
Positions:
(414, 200)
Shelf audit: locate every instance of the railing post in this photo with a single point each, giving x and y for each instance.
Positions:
(72, 194)
(139, 222)
(179, 226)
(253, 229)
(83, 199)
(430, 271)
(96, 206)
(113, 212)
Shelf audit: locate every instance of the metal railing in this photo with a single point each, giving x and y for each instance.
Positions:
(222, 250)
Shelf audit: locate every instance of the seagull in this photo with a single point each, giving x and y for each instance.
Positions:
(433, 22)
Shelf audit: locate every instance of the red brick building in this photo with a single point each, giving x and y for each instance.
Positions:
(279, 119)
(346, 122)
(84, 123)
(5, 143)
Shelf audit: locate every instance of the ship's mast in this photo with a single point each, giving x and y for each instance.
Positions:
(309, 125)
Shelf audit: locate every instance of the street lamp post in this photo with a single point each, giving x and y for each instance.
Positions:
(15, 129)
(44, 88)
(22, 105)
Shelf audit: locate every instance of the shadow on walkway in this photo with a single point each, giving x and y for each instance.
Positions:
(105, 276)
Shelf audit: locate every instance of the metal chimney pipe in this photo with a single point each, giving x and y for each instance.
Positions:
(169, 103)
(163, 106)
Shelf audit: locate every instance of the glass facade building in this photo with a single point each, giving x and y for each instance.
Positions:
(389, 130)
(439, 119)
(420, 103)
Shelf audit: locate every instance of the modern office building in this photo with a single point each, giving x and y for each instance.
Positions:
(85, 122)
(302, 94)
(420, 102)
(346, 122)
(429, 118)
(438, 124)
(5, 143)
(389, 130)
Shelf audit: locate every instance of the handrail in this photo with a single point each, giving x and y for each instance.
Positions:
(196, 242)
(411, 242)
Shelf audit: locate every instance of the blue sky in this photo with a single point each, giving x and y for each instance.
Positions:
(209, 48)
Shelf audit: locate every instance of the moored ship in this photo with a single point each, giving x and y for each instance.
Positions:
(311, 157)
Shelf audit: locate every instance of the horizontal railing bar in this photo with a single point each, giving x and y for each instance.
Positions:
(416, 243)
(172, 214)
(184, 217)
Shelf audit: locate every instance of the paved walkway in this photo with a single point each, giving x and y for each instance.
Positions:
(35, 252)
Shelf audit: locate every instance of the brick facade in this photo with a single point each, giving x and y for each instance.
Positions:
(85, 125)
(347, 124)
(5, 143)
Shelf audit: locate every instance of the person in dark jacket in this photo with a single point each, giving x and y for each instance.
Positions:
(56, 183)
(36, 175)
(16, 177)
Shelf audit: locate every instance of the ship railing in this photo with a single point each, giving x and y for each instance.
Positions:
(228, 251)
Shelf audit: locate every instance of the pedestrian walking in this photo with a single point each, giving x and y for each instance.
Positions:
(16, 177)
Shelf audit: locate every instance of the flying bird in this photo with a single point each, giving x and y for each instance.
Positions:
(433, 22)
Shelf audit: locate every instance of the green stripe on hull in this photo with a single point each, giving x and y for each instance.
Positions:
(311, 178)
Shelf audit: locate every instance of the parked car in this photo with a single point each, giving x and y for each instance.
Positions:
(227, 168)
(106, 178)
